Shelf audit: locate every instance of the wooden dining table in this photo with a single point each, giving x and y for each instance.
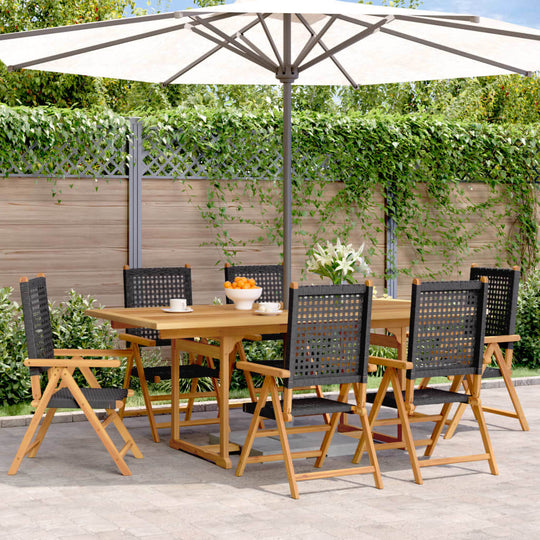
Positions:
(229, 326)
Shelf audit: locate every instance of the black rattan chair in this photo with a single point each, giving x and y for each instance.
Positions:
(62, 391)
(446, 338)
(153, 287)
(500, 327)
(327, 343)
(270, 278)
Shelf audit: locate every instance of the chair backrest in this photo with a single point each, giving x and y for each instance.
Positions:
(328, 334)
(447, 328)
(267, 276)
(152, 287)
(37, 321)
(502, 299)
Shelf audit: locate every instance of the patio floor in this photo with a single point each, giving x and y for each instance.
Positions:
(73, 489)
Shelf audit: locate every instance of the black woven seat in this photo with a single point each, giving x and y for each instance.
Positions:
(501, 315)
(327, 343)
(303, 407)
(62, 391)
(446, 338)
(423, 396)
(154, 287)
(98, 398)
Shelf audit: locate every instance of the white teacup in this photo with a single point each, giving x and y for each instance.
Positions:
(178, 304)
(269, 307)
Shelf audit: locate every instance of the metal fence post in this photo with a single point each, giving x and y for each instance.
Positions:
(135, 194)
(391, 248)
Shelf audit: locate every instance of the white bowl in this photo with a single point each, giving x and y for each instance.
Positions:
(243, 298)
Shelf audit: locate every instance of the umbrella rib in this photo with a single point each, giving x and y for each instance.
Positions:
(99, 46)
(202, 58)
(91, 48)
(457, 52)
(87, 26)
(347, 43)
(236, 47)
(270, 38)
(314, 39)
(324, 47)
(483, 29)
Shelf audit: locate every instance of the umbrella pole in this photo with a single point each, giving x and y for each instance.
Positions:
(287, 190)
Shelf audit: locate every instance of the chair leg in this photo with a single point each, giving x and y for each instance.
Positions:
(124, 433)
(127, 379)
(145, 393)
(284, 440)
(45, 423)
(334, 421)
(405, 426)
(96, 424)
(368, 440)
(253, 427)
(476, 406)
(505, 364)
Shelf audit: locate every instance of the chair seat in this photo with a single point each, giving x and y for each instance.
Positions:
(98, 398)
(303, 407)
(491, 373)
(422, 396)
(189, 371)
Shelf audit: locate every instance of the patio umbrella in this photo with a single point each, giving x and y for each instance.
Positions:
(311, 42)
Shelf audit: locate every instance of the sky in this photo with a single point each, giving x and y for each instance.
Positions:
(524, 12)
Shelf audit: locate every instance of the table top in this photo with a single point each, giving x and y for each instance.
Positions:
(215, 320)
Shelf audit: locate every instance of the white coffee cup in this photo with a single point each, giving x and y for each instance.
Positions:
(178, 304)
(269, 307)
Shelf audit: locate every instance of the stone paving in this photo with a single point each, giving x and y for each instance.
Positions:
(72, 489)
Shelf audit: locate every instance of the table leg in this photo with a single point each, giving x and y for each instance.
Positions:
(226, 347)
(175, 390)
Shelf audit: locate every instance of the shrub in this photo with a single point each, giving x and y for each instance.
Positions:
(71, 329)
(14, 375)
(527, 351)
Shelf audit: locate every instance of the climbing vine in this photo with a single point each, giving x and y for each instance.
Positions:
(350, 173)
(425, 167)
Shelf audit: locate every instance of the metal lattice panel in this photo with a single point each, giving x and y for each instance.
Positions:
(153, 287)
(447, 328)
(327, 331)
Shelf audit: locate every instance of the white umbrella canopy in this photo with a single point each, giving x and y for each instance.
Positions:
(310, 42)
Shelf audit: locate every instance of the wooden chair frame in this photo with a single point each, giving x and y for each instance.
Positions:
(134, 344)
(60, 375)
(283, 413)
(407, 415)
(503, 361)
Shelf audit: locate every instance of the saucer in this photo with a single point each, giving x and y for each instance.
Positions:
(169, 310)
(259, 312)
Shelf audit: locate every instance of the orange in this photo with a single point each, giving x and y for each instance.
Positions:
(228, 285)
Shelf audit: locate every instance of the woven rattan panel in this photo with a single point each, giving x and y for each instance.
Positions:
(445, 330)
(269, 277)
(325, 344)
(501, 300)
(152, 287)
(37, 322)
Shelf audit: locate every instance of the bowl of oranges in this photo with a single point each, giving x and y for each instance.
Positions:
(243, 292)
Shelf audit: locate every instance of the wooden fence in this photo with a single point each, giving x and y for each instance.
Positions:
(82, 243)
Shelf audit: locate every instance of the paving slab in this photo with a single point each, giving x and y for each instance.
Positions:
(72, 489)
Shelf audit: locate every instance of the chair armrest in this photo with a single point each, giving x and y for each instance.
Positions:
(145, 342)
(502, 339)
(71, 362)
(93, 352)
(264, 370)
(390, 362)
